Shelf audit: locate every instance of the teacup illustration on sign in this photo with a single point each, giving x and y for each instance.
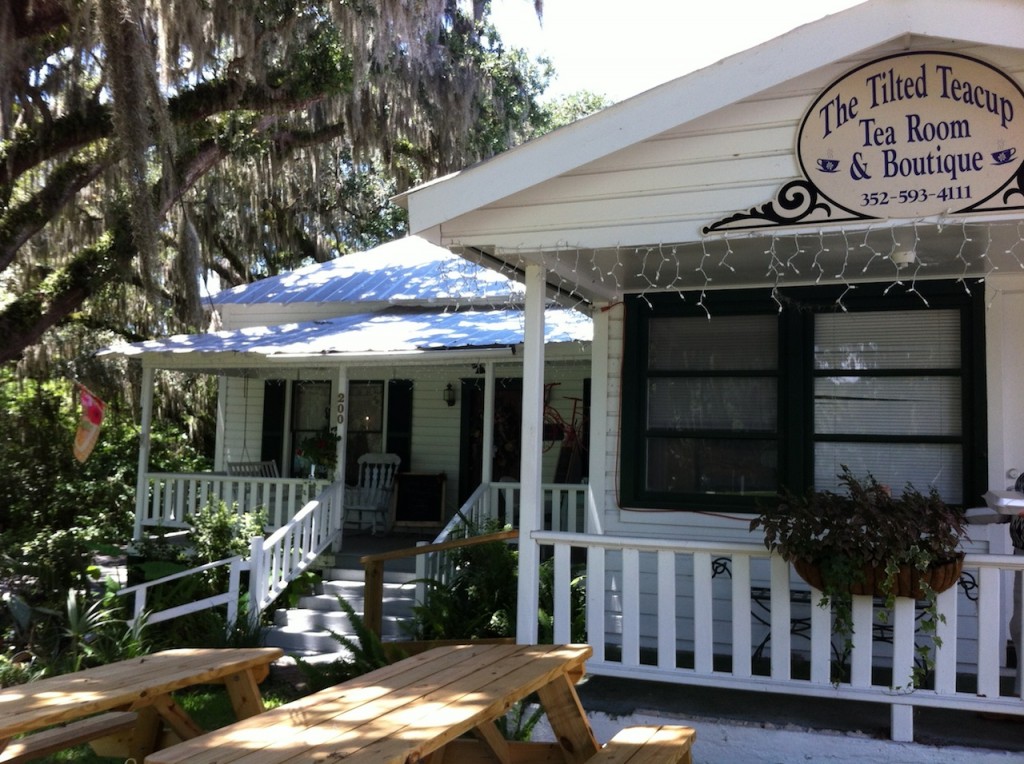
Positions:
(828, 165)
(1004, 155)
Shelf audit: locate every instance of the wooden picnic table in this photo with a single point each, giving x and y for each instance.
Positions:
(422, 708)
(137, 690)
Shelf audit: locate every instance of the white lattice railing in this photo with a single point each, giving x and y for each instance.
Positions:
(292, 548)
(657, 610)
(171, 496)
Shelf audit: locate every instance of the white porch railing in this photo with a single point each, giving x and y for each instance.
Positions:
(228, 598)
(292, 548)
(656, 610)
(172, 496)
(565, 510)
(273, 562)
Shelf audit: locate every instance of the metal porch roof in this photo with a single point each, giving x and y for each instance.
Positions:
(396, 331)
(409, 271)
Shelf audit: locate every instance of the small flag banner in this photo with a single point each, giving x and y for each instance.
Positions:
(89, 424)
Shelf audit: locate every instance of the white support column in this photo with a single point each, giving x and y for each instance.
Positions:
(222, 423)
(487, 458)
(341, 406)
(598, 426)
(141, 482)
(531, 505)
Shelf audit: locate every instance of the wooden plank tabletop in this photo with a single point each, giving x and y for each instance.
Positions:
(128, 684)
(402, 712)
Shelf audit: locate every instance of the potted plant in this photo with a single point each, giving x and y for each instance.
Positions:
(867, 541)
(321, 451)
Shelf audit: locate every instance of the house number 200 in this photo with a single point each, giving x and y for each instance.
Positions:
(341, 408)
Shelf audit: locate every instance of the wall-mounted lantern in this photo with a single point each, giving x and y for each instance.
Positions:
(448, 394)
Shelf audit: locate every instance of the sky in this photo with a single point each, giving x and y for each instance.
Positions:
(619, 48)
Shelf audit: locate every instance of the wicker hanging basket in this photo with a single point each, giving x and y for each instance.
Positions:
(940, 576)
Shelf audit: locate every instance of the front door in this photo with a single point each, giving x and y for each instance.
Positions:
(508, 420)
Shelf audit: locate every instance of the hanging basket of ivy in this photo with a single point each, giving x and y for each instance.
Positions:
(907, 582)
(865, 541)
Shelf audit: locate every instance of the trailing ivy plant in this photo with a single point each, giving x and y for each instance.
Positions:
(861, 541)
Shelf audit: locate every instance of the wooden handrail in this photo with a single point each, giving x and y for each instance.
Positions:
(373, 571)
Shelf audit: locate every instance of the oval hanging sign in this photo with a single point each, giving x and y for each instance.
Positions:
(914, 135)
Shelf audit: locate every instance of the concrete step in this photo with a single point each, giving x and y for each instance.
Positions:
(323, 620)
(298, 641)
(305, 630)
(392, 604)
(309, 632)
(358, 574)
(341, 588)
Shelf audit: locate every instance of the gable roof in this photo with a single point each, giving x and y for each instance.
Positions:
(409, 271)
(618, 202)
(687, 98)
(407, 298)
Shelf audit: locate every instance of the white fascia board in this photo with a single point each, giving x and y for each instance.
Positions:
(817, 44)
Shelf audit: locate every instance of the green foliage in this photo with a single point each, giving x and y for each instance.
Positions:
(362, 655)
(850, 535)
(217, 533)
(91, 630)
(478, 599)
(56, 514)
(577, 603)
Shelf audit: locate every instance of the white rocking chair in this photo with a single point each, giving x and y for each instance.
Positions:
(372, 495)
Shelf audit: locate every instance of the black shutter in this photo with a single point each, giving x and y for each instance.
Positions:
(399, 421)
(272, 442)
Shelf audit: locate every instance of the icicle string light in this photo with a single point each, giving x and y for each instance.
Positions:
(896, 257)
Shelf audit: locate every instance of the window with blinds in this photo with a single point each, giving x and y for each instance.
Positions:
(721, 412)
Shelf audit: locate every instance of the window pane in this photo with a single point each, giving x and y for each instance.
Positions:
(887, 405)
(366, 407)
(913, 339)
(724, 343)
(696, 465)
(712, 403)
(895, 465)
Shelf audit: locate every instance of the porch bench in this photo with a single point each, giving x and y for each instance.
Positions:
(663, 744)
(262, 469)
(39, 744)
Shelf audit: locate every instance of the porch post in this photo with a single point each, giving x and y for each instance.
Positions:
(341, 404)
(598, 426)
(487, 459)
(141, 479)
(531, 502)
(222, 423)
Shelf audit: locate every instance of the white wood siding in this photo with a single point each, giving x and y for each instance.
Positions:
(436, 427)
(666, 188)
(244, 420)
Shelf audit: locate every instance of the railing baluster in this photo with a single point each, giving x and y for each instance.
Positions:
(666, 609)
(861, 655)
(630, 592)
(596, 587)
(821, 640)
(703, 620)
(781, 660)
(946, 631)
(741, 619)
(562, 595)
(988, 638)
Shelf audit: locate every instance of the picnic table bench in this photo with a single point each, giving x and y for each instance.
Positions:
(438, 706)
(129, 699)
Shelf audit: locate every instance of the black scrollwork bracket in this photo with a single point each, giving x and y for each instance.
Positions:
(1011, 194)
(795, 203)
